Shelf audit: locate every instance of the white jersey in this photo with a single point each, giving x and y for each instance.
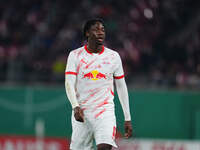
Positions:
(95, 73)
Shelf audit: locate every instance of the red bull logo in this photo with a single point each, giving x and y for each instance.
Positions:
(94, 75)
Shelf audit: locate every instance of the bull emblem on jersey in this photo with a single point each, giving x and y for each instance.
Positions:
(94, 75)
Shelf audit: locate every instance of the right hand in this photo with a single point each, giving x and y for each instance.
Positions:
(78, 114)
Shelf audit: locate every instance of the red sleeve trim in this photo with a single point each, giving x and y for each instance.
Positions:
(118, 77)
(70, 72)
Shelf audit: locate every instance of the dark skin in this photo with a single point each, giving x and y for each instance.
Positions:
(95, 37)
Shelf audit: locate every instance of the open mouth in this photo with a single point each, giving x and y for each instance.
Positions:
(100, 39)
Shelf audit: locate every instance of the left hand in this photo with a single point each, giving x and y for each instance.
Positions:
(78, 114)
(128, 129)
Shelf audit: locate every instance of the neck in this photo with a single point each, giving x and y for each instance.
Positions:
(94, 48)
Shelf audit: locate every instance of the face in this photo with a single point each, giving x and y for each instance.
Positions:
(96, 33)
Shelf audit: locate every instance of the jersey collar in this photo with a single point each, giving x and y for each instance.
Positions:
(91, 53)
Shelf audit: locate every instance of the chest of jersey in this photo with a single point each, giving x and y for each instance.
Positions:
(96, 67)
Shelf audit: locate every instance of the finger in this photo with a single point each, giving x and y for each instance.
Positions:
(130, 130)
(130, 134)
(81, 120)
(78, 118)
(126, 135)
(82, 112)
(82, 116)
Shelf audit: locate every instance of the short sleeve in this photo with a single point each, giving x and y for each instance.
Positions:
(119, 72)
(71, 64)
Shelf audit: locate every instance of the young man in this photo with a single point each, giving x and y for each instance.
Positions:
(90, 74)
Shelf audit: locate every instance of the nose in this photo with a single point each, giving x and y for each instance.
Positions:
(100, 33)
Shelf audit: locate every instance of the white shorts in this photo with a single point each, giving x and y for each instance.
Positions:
(101, 129)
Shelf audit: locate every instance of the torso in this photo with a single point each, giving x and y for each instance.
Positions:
(94, 86)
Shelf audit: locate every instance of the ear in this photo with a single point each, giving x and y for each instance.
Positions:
(87, 34)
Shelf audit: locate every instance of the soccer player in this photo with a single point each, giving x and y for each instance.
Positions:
(90, 74)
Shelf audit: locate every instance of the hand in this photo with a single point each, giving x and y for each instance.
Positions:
(78, 114)
(128, 129)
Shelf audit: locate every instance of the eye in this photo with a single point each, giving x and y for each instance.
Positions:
(94, 29)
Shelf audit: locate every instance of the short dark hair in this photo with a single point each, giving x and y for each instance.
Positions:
(89, 23)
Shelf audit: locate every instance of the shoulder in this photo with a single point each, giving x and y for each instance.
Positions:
(76, 51)
(111, 52)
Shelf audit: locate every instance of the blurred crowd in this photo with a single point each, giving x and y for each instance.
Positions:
(158, 40)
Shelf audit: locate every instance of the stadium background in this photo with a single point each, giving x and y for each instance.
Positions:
(158, 41)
